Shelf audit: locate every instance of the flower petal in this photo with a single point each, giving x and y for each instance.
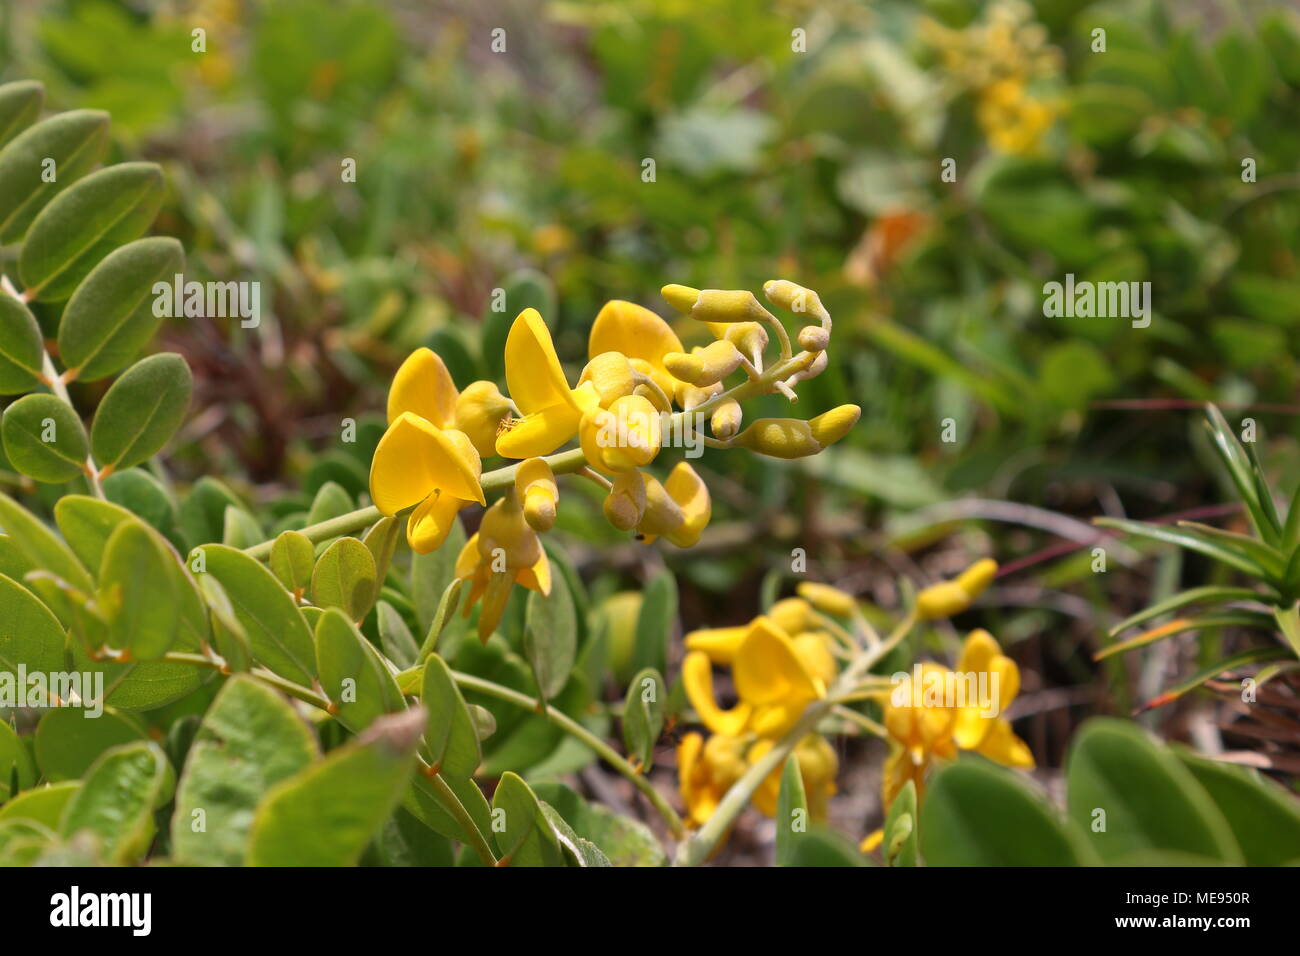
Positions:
(697, 676)
(414, 459)
(533, 372)
(423, 386)
(633, 330)
(540, 433)
(432, 521)
(768, 671)
(1003, 746)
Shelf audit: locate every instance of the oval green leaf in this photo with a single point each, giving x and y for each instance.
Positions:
(44, 439)
(344, 578)
(141, 411)
(22, 350)
(74, 141)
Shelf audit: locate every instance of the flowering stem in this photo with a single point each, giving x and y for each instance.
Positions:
(697, 849)
(576, 730)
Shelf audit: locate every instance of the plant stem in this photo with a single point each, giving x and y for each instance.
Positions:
(575, 729)
(60, 389)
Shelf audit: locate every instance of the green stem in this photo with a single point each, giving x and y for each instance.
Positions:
(698, 848)
(575, 729)
(60, 390)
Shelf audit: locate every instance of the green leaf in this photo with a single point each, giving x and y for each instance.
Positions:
(654, 625)
(75, 141)
(524, 836)
(239, 529)
(1180, 625)
(422, 804)
(1128, 795)
(203, 512)
(84, 224)
(20, 104)
(39, 546)
(550, 637)
(228, 634)
(277, 633)
(344, 578)
(1264, 818)
(292, 558)
(1209, 593)
(23, 842)
(15, 761)
(820, 847)
(395, 637)
(69, 740)
(44, 439)
(22, 350)
(1188, 540)
(111, 315)
(353, 676)
(1238, 465)
(577, 851)
(522, 289)
(117, 799)
(382, 540)
(443, 616)
(643, 715)
(141, 411)
(142, 494)
(325, 815)
(250, 739)
(978, 814)
(30, 634)
(331, 501)
(626, 842)
(431, 574)
(87, 523)
(900, 845)
(452, 734)
(791, 812)
(142, 598)
(44, 805)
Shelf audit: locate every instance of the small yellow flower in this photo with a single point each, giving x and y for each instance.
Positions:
(1013, 121)
(551, 410)
(706, 771)
(795, 438)
(818, 767)
(505, 551)
(827, 599)
(624, 436)
(679, 509)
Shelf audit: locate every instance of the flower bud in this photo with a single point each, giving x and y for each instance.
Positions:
(704, 366)
(795, 298)
(813, 338)
(625, 503)
(827, 599)
(975, 579)
(536, 489)
(792, 615)
(688, 396)
(830, 427)
(941, 600)
(779, 438)
(680, 297)
(725, 421)
(480, 410)
(749, 337)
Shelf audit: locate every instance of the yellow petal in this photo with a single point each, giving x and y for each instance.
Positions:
(697, 676)
(424, 387)
(768, 671)
(691, 495)
(978, 652)
(719, 643)
(416, 458)
(1003, 746)
(533, 372)
(535, 487)
(536, 577)
(872, 841)
(540, 433)
(480, 410)
(432, 521)
(813, 649)
(827, 599)
(633, 330)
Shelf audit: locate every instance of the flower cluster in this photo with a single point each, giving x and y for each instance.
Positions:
(780, 663)
(639, 388)
(997, 59)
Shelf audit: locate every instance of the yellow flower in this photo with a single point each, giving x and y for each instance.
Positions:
(505, 551)
(1013, 121)
(796, 438)
(952, 597)
(624, 436)
(639, 334)
(535, 486)
(706, 770)
(933, 712)
(818, 767)
(551, 410)
(775, 680)
(679, 509)
(417, 462)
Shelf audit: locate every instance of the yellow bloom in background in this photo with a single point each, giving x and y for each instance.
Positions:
(1013, 121)
(706, 770)
(933, 712)
(952, 597)
(505, 551)
(551, 410)
(776, 678)
(818, 767)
